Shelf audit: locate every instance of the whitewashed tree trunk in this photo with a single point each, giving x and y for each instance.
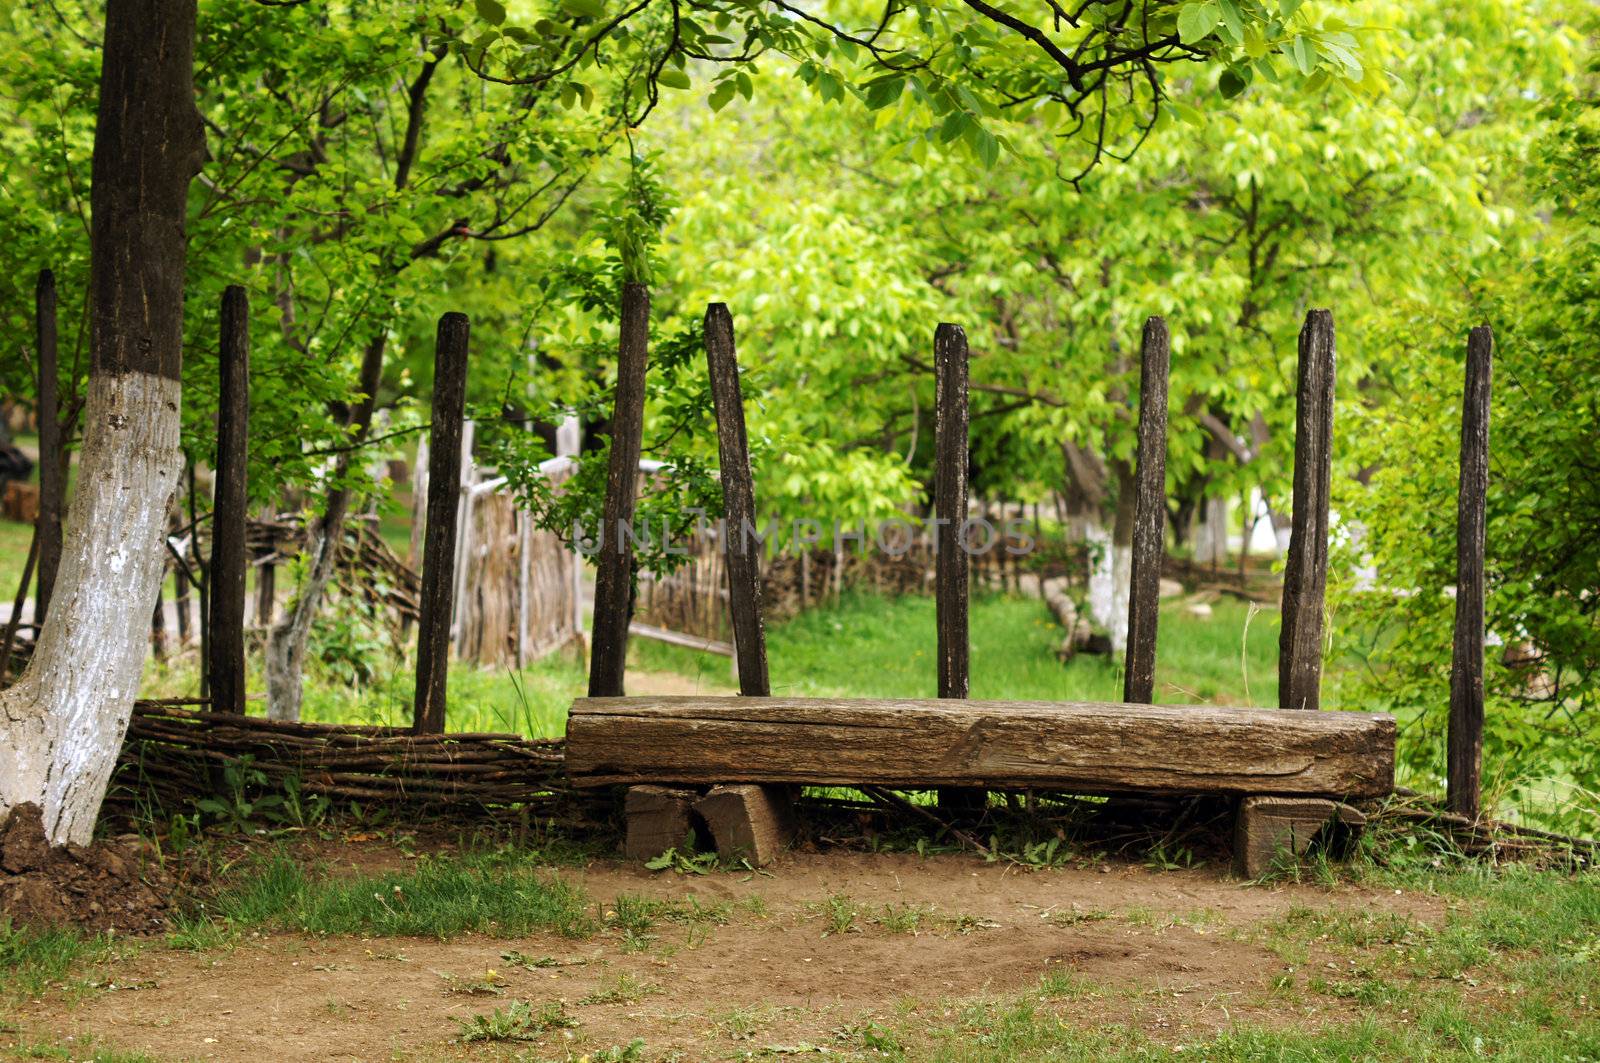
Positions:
(62, 723)
(1211, 533)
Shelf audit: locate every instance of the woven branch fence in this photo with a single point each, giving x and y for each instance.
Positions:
(176, 751)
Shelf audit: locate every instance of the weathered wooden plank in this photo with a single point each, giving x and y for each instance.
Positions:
(613, 581)
(439, 536)
(1305, 572)
(1087, 747)
(1150, 511)
(230, 498)
(1465, 743)
(738, 503)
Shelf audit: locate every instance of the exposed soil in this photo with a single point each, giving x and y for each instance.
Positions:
(1174, 954)
(105, 886)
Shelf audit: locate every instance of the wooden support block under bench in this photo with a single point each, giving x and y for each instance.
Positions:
(1271, 828)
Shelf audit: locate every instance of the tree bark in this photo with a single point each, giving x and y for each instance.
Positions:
(62, 724)
(52, 451)
(286, 644)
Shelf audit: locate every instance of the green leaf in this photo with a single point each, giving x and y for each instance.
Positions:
(883, 92)
(1197, 20)
(721, 94)
(491, 11)
(1231, 84)
(586, 8)
(1304, 54)
(673, 79)
(1232, 21)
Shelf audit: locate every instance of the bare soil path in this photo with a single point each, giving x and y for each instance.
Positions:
(809, 958)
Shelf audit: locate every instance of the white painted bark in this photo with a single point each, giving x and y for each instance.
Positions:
(62, 724)
(1102, 573)
(286, 643)
(1211, 532)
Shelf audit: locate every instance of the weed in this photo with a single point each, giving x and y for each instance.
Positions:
(517, 1021)
(491, 984)
(623, 989)
(903, 918)
(840, 913)
(1176, 858)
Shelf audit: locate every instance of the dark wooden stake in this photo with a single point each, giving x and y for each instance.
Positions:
(1305, 574)
(1465, 757)
(613, 582)
(439, 539)
(52, 451)
(951, 562)
(16, 607)
(738, 504)
(950, 508)
(1150, 511)
(229, 500)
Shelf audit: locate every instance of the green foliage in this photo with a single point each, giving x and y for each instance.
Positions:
(1541, 735)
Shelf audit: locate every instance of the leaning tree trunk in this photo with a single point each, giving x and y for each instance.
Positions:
(62, 723)
(286, 645)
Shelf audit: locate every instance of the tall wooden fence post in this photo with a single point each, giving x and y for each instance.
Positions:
(52, 451)
(1305, 574)
(950, 509)
(613, 583)
(229, 500)
(738, 504)
(439, 537)
(1150, 511)
(1465, 753)
(952, 587)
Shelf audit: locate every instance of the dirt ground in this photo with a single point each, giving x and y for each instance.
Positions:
(1175, 954)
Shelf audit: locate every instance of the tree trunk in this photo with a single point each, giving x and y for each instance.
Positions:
(62, 724)
(52, 449)
(286, 644)
(1122, 556)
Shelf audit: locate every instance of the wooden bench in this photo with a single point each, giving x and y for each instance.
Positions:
(1292, 770)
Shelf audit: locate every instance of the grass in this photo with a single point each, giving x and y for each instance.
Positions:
(872, 646)
(532, 701)
(498, 893)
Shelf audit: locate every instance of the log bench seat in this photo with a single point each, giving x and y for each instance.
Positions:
(1292, 770)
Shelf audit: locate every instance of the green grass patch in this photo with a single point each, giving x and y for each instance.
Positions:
(502, 894)
(874, 646)
(33, 960)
